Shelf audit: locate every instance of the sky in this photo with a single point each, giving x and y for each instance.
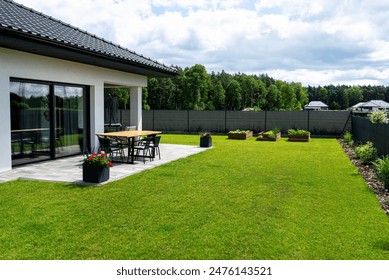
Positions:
(315, 42)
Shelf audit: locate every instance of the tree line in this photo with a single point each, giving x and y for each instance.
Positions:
(195, 89)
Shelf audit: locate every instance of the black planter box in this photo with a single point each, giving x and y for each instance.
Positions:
(205, 142)
(95, 174)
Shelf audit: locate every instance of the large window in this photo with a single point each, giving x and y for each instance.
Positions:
(47, 121)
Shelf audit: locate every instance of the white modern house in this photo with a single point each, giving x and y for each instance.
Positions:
(316, 105)
(372, 105)
(52, 80)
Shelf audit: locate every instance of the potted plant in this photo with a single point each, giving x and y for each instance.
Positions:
(271, 135)
(240, 134)
(205, 140)
(298, 135)
(95, 168)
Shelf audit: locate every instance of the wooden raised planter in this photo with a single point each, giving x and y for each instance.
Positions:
(299, 138)
(240, 136)
(265, 137)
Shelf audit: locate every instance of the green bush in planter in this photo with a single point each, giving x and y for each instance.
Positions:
(272, 133)
(238, 131)
(298, 132)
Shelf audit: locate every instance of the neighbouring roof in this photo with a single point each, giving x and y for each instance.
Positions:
(373, 104)
(25, 29)
(316, 104)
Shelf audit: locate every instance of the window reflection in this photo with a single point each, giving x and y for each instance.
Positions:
(42, 129)
(30, 135)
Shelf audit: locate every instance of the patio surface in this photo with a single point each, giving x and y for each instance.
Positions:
(70, 169)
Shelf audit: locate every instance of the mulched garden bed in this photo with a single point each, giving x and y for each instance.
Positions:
(369, 175)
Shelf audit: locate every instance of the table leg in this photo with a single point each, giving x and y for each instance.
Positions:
(132, 148)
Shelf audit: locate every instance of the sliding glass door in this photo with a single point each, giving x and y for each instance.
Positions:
(69, 123)
(47, 121)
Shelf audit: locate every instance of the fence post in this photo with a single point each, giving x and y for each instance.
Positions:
(225, 120)
(344, 128)
(187, 117)
(308, 120)
(265, 120)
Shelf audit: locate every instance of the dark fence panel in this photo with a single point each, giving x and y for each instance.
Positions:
(363, 130)
(170, 120)
(318, 122)
(285, 120)
(207, 121)
(333, 123)
(245, 120)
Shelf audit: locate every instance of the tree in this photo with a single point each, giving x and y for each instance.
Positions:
(233, 96)
(145, 94)
(218, 96)
(249, 87)
(288, 96)
(196, 83)
(152, 90)
(301, 96)
(272, 98)
(323, 95)
(354, 94)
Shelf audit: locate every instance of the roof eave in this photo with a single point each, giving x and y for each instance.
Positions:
(56, 49)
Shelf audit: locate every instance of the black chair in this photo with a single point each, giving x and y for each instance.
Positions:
(111, 147)
(144, 146)
(155, 146)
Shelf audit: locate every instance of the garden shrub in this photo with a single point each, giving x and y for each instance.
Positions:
(382, 166)
(367, 152)
(238, 131)
(348, 138)
(298, 132)
(379, 117)
(273, 133)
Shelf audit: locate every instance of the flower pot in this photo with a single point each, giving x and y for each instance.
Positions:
(94, 174)
(206, 142)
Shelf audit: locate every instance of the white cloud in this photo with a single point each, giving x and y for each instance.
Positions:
(314, 42)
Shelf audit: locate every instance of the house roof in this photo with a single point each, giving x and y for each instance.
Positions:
(316, 104)
(358, 105)
(373, 103)
(25, 29)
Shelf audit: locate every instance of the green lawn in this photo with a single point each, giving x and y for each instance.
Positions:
(239, 200)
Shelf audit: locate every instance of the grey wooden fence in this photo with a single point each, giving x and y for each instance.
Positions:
(318, 122)
(363, 130)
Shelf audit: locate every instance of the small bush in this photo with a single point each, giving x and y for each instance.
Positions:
(367, 152)
(348, 138)
(238, 131)
(298, 132)
(382, 166)
(272, 133)
(379, 117)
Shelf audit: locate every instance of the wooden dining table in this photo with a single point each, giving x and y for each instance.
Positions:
(130, 136)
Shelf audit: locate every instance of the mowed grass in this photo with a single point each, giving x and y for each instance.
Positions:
(239, 200)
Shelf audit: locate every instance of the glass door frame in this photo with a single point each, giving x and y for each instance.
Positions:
(86, 143)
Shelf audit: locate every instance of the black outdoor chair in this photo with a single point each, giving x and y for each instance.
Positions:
(111, 147)
(144, 147)
(155, 146)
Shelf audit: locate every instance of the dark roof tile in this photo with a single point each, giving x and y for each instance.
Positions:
(22, 19)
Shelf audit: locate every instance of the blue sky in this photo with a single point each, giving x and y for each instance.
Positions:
(315, 42)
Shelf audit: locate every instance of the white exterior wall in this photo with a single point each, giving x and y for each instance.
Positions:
(16, 64)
